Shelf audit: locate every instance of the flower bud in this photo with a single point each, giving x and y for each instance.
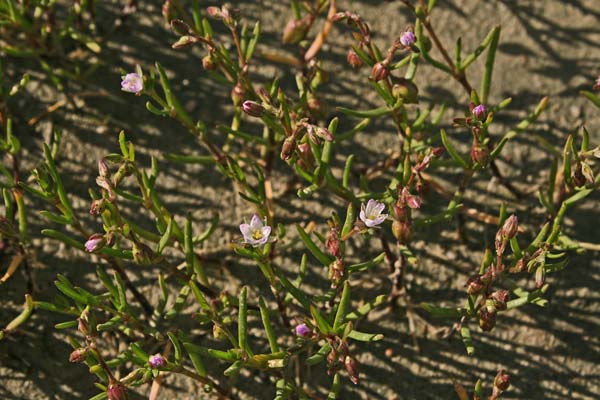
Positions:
(306, 155)
(253, 109)
(352, 368)
(437, 151)
(332, 358)
(184, 41)
(157, 361)
(500, 298)
(401, 231)
(237, 94)
(95, 243)
(480, 153)
(500, 243)
(479, 112)
(208, 62)
(303, 330)
(502, 380)
(219, 333)
(180, 28)
(97, 207)
(141, 253)
(83, 324)
(287, 149)
(214, 12)
(333, 242)
(405, 89)
(597, 84)
(380, 72)
(78, 355)
(487, 318)
(521, 265)
(116, 391)
(166, 10)
(510, 227)
(102, 168)
(353, 59)
(474, 285)
(411, 201)
(540, 276)
(296, 30)
(336, 272)
(408, 38)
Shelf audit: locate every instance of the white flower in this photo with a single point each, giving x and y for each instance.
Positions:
(372, 215)
(255, 233)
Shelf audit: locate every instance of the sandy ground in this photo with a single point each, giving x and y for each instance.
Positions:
(547, 48)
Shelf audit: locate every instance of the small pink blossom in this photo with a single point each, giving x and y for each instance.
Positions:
(408, 38)
(132, 83)
(371, 214)
(255, 233)
(94, 243)
(479, 111)
(157, 361)
(303, 330)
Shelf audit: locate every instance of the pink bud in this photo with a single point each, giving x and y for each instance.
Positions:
(352, 368)
(510, 227)
(479, 111)
(157, 361)
(102, 167)
(78, 355)
(408, 38)
(296, 30)
(353, 59)
(303, 330)
(253, 109)
(116, 391)
(380, 72)
(502, 380)
(500, 298)
(95, 243)
(474, 285)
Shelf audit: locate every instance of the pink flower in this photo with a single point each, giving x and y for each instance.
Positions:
(303, 330)
(157, 361)
(255, 233)
(372, 215)
(479, 112)
(408, 38)
(132, 83)
(94, 243)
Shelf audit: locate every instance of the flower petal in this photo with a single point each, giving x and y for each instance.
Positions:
(246, 232)
(379, 207)
(380, 219)
(370, 204)
(362, 215)
(256, 223)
